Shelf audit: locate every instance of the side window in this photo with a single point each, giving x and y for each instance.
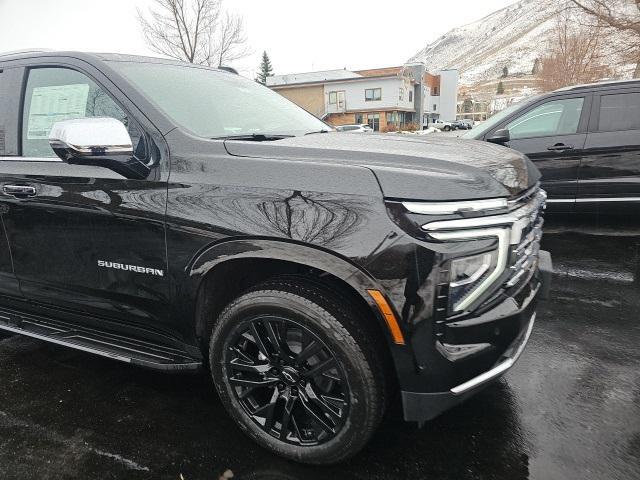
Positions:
(55, 94)
(557, 117)
(619, 112)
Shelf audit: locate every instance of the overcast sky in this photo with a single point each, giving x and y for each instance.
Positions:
(299, 35)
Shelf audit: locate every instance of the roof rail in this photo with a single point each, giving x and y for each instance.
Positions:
(600, 83)
(28, 50)
(228, 69)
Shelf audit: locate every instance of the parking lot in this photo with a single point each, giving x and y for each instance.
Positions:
(570, 409)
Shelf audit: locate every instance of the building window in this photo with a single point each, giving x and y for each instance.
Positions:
(392, 117)
(373, 119)
(359, 118)
(435, 92)
(435, 107)
(337, 99)
(411, 95)
(373, 94)
(401, 94)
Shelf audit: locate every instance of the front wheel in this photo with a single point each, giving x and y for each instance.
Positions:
(295, 367)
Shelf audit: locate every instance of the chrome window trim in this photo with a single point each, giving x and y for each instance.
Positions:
(593, 199)
(17, 158)
(608, 199)
(446, 208)
(561, 200)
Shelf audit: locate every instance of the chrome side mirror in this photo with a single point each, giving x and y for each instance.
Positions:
(101, 142)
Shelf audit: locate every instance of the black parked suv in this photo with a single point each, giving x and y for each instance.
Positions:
(174, 216)
(584, 139)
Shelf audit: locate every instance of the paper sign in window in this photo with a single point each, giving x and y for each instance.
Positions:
(54, 104)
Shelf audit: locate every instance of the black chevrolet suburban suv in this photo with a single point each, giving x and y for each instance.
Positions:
(174, 217)
(585, 140)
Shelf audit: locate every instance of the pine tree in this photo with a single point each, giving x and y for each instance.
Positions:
(505, 72)
(266, 70)
(536, 67)
(500, 90)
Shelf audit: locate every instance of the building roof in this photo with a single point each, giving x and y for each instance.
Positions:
(377, 72)
(310, 77)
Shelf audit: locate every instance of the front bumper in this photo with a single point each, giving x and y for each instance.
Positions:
(421, 406)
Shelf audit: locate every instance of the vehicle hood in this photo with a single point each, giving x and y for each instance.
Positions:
(429, 167)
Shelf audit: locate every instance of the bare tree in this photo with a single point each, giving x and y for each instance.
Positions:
(229, 41)
(195, 31)
(622, 16)
(575, 55)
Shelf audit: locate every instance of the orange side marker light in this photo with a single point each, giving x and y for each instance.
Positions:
(389, 317)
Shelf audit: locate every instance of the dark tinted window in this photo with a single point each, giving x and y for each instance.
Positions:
(619, 112)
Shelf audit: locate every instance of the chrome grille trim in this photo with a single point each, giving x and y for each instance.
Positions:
(517, 220)
(518, 233)
(526, 256)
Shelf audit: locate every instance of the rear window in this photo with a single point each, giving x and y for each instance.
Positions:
(619, 112)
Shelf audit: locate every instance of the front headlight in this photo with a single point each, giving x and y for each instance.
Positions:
(470, 277)
(466, 274)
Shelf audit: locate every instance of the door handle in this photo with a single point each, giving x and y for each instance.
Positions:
(19, 190)
(560, 147)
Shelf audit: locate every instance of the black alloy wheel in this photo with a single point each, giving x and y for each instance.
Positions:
(287, 380)
(300, 369)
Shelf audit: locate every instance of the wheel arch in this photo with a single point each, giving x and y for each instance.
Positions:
(223, 271)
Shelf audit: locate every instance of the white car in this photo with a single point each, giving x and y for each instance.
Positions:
(360, 128)
(442, 125)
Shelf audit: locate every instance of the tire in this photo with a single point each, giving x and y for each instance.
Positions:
(334, 388)
(447, 128)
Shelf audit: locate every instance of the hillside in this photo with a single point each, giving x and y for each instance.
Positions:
(513, 37)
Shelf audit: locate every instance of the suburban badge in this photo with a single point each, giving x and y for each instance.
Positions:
(131, 268)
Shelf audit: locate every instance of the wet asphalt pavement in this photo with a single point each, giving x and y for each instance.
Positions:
(570, 409)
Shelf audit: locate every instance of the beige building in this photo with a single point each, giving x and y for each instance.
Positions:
(387, 99)
(309, 97)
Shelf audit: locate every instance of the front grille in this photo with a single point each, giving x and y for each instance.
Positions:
(524, 254)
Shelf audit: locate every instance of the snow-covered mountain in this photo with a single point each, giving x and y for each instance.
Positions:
(513, 37)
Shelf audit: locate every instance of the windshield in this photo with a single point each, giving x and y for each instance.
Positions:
(215, 104)
(482, 128)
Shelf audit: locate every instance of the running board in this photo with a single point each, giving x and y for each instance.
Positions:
(105, 344)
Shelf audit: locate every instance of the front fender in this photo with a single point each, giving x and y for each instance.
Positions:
(214, 256)
(284, 250)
